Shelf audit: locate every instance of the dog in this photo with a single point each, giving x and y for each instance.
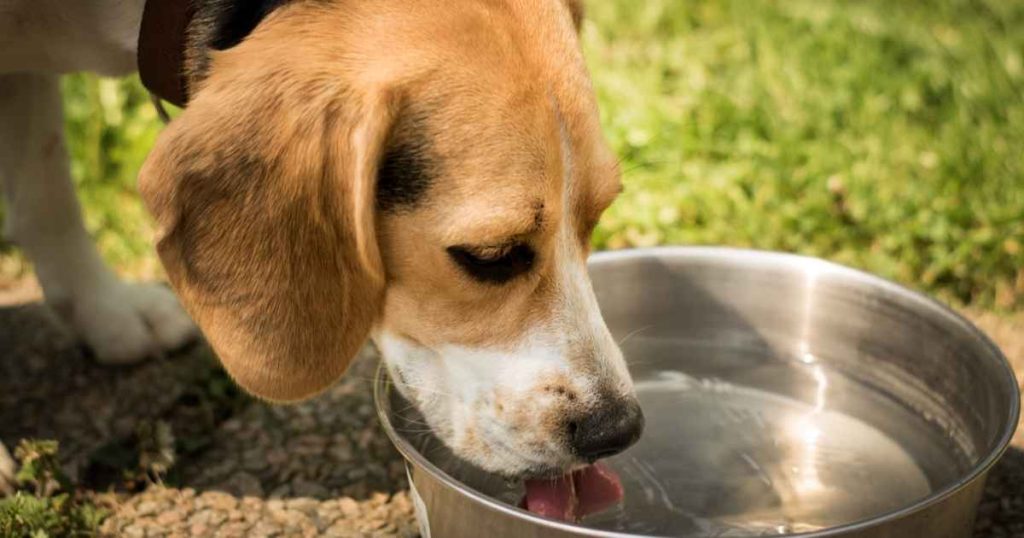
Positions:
(422, 174)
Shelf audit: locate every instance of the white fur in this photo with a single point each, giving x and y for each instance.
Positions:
(455, 387)
(121, 323)
(7, 470)
(458, 388)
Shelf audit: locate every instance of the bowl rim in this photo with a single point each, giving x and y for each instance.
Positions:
(382, 385)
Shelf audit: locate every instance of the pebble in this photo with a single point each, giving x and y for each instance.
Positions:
(305, 488)
(217, 500)
(243, 484)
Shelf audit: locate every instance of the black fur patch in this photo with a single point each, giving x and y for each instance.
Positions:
(407, 168)
(238, 19)
(220, 25)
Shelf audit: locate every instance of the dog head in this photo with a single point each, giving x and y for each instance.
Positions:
(426, 174)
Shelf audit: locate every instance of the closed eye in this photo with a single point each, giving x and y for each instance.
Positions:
(493, 265)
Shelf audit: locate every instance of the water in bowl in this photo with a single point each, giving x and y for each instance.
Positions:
(741, 444)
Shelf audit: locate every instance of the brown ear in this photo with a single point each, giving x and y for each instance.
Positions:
(263, 192)
(576, 11)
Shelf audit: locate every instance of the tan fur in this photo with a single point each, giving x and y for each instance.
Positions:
(264, 188)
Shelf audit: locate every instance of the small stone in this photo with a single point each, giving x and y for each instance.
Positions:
(376, 470)
(146, 508)
(282, 491)
(326, 515)
(305, 488)
(365, 438)
(289, 518)
(343, 529)
(276, 456)
(305, 505)
(223, 468)
(303, 424)
(199, 530)
(349, 507)
(207, 517)
(309, 445)
(357, 490)
(252, 516)
(133, 531)
(243, 484)
(217, 500)
(340, 452)
(264, 529)
(401, 502)
(233, 530)
(254, 460)
(171, 517)
(250, 503)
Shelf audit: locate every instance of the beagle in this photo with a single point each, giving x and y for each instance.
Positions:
(423, 174)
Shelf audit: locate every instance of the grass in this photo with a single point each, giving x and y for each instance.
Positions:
(47, 505)
(883, 135)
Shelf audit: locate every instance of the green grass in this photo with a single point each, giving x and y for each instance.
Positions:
(47, 504)
(883, 135)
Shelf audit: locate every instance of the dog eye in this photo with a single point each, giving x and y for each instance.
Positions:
(493, 265)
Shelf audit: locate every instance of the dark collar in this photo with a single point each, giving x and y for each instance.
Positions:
(161, 50)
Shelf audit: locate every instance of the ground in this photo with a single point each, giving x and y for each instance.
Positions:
(246, 468)
(882, 135)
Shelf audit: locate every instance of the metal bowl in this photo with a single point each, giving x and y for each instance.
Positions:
(784, 396)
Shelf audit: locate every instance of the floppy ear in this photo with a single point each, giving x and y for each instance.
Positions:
(263, 192)
(576, 11)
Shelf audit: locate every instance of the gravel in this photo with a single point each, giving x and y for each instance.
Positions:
(168, 512)
(321, 468)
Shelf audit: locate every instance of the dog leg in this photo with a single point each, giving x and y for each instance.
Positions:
(7, 471)
(121, 323)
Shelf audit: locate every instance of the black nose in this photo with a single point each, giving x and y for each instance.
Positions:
(608, 430)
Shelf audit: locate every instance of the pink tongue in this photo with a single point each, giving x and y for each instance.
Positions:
(572, 496)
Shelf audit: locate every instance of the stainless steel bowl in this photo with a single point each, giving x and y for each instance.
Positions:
(784, 395)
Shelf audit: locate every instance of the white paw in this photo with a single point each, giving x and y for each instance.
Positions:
(7, 470)
(125, 323)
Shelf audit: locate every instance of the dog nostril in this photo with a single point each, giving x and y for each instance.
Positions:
(610, 429)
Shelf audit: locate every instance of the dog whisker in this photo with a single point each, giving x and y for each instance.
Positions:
(633, 333)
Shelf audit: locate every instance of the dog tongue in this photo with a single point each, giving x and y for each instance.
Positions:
(572, 496)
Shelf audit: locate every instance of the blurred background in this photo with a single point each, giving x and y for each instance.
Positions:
(883, 135)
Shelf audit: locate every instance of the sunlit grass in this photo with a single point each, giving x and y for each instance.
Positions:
(884, 135)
